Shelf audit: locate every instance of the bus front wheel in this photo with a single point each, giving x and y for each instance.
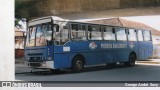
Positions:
(78, 64)
(132, 59)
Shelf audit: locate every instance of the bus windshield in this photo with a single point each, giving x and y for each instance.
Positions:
(39, 35)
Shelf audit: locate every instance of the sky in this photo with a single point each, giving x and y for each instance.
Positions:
(153, 21)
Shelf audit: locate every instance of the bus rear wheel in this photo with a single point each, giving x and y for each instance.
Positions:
(78, 64)
(132, 59)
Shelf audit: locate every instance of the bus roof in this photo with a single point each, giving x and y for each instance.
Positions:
(56, 18)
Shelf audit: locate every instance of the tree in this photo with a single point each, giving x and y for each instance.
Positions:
(21, 12)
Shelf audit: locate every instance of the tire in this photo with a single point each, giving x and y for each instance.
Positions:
(78, 64)
(132, 59)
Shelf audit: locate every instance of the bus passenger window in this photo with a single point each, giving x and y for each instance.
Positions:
(121, 34)
(132, 35)
(61, 34)
(82, 33)
(147, 36)
(94, 33)
(109, 33)
(77, 32)
(140, 35)
(74, 29)
(64, 35)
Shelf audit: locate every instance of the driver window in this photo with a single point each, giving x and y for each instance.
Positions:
(40, 35)
(49, 33)
(56, 33)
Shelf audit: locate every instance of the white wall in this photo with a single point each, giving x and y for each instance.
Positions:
(6, 41)
(156, 39)
(156, 45)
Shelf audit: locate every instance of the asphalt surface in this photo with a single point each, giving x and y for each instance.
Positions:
(146, 70)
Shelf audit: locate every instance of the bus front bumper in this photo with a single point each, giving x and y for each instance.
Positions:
(45, 64)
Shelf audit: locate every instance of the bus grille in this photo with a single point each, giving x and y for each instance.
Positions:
(35, 58)
(34, 64)
(35, 54)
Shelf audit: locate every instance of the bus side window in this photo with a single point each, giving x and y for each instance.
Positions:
(113, 30)
(64, 37)
(147, 36)
(61, 34)
(140, 35)
(56, 28)
(132, 35)
(109, 33)
(121, 34)
(94, 32)
(78, 32)
(89, 32)
(82, 33)
(74, 31)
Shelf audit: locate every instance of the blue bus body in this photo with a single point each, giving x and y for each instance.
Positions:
(93, 52)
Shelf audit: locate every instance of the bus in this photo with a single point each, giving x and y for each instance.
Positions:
(56, 43)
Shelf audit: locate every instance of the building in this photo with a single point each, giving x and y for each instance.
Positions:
(19, 43)
(126, 23)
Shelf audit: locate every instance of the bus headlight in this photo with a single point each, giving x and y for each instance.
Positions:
(27, 58)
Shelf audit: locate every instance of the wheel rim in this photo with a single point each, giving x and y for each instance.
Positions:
(79, 64)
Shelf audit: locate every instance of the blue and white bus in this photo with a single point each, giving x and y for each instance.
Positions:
(56, 43)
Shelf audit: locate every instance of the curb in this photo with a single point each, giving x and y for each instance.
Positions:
(148, 62)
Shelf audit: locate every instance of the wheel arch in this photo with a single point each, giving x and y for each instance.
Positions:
(79, 55)
(133, 52)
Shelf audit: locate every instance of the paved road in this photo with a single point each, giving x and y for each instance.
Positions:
(140, 72)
